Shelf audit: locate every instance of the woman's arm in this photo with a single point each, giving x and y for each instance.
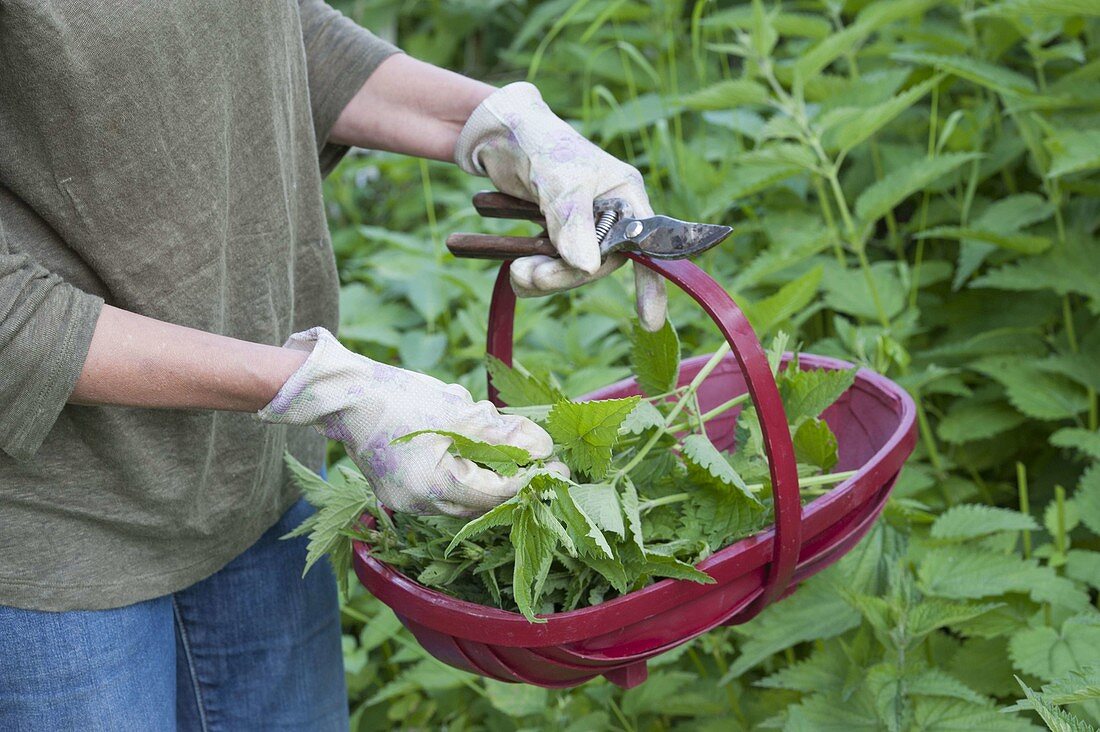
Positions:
(409, 106)
(136, 361)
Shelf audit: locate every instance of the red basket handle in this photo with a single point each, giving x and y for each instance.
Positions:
(758, 378)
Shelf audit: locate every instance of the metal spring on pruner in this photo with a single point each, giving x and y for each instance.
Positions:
(604, 223)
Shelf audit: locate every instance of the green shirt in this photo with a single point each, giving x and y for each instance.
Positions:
(166, 158)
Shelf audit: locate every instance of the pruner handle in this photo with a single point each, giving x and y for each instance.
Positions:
(487, 246)
(497, 205)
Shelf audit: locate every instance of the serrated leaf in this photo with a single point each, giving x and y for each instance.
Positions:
(1073, 151)
(881, 197)
(632, 512)
(600, 502)
(643, 417)
(807, 393)
(969, 521)
(518, 389)
(500, 515)
(584, 532)
(791, 299)
(1049, 653)
(340, 506)
(655, 358)
(964, 572)
(726, 94)
(983, 73)
(1033, 391)
(1022, 243)
(586, 431)
(703, 459)
(659, 565)
(1065, 269)
(1087, 497)
(1087, 442)
(815, 444)
(1056, 719)
(973, 420)
(503, 459)
(864, 123)
(534, 546)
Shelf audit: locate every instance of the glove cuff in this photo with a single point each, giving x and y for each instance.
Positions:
(305, 397)
(498, 117)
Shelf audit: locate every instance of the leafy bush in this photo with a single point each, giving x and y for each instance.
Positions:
(913, 188)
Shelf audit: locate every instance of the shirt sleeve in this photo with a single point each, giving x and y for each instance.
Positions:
(46, 327)
(340, 55)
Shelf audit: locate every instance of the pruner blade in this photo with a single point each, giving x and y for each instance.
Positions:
(662, 237)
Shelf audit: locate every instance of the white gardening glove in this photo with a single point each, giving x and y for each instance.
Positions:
(529, 152)
(366, 404)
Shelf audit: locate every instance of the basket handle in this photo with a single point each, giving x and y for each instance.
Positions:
(762, 389)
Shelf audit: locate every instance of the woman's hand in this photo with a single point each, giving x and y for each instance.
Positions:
(366, 405)
(529, 152)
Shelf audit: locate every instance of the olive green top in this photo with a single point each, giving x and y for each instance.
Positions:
(166, 158)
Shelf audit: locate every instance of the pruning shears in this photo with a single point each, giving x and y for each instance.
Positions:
(659, 237)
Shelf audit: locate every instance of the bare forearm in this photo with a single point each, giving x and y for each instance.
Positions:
(137, 361)
(408, 106)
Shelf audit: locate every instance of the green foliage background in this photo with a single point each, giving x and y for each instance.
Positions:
(914, 188)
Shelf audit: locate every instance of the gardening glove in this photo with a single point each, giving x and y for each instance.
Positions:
(366, 404)
(529, 152)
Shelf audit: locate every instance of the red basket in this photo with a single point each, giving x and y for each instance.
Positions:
(874, 426)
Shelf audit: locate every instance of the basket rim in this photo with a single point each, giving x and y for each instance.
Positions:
(426, 606)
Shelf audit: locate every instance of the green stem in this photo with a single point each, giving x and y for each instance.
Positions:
(704, 372)
(1025, 506)
(807, 484)
(711, 414)
(622, 717)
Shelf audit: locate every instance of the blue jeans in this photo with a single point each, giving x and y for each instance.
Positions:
(254, 646)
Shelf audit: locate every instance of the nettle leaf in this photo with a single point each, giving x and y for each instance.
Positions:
(1022, 243)
(791, 299)
(970, 520)
(504, 459)
(864, 123)
(1087, 442)
(727, 94)
(518, 389)
(1063, 270)
(1033, 391)
(975, 420)
(340, 505)
(807, 393)
(500, 515)
(1073, 151)
(705, 462)
(584, 533)
(632, 511)
(601, 503)
(1054, 718)
(660, 565)
(655, 358)
(1087, 497)
(815, 444)
(1049, 653)
(881, 197)
(586, 431)
(534, 546)
(643, 417)
(998, 78)
(720, 507)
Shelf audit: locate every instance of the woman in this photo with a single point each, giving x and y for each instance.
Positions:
(161, 232)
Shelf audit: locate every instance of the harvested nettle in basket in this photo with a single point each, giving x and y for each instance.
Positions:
(684, 509)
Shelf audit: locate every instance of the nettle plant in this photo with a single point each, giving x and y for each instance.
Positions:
(649, 495)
